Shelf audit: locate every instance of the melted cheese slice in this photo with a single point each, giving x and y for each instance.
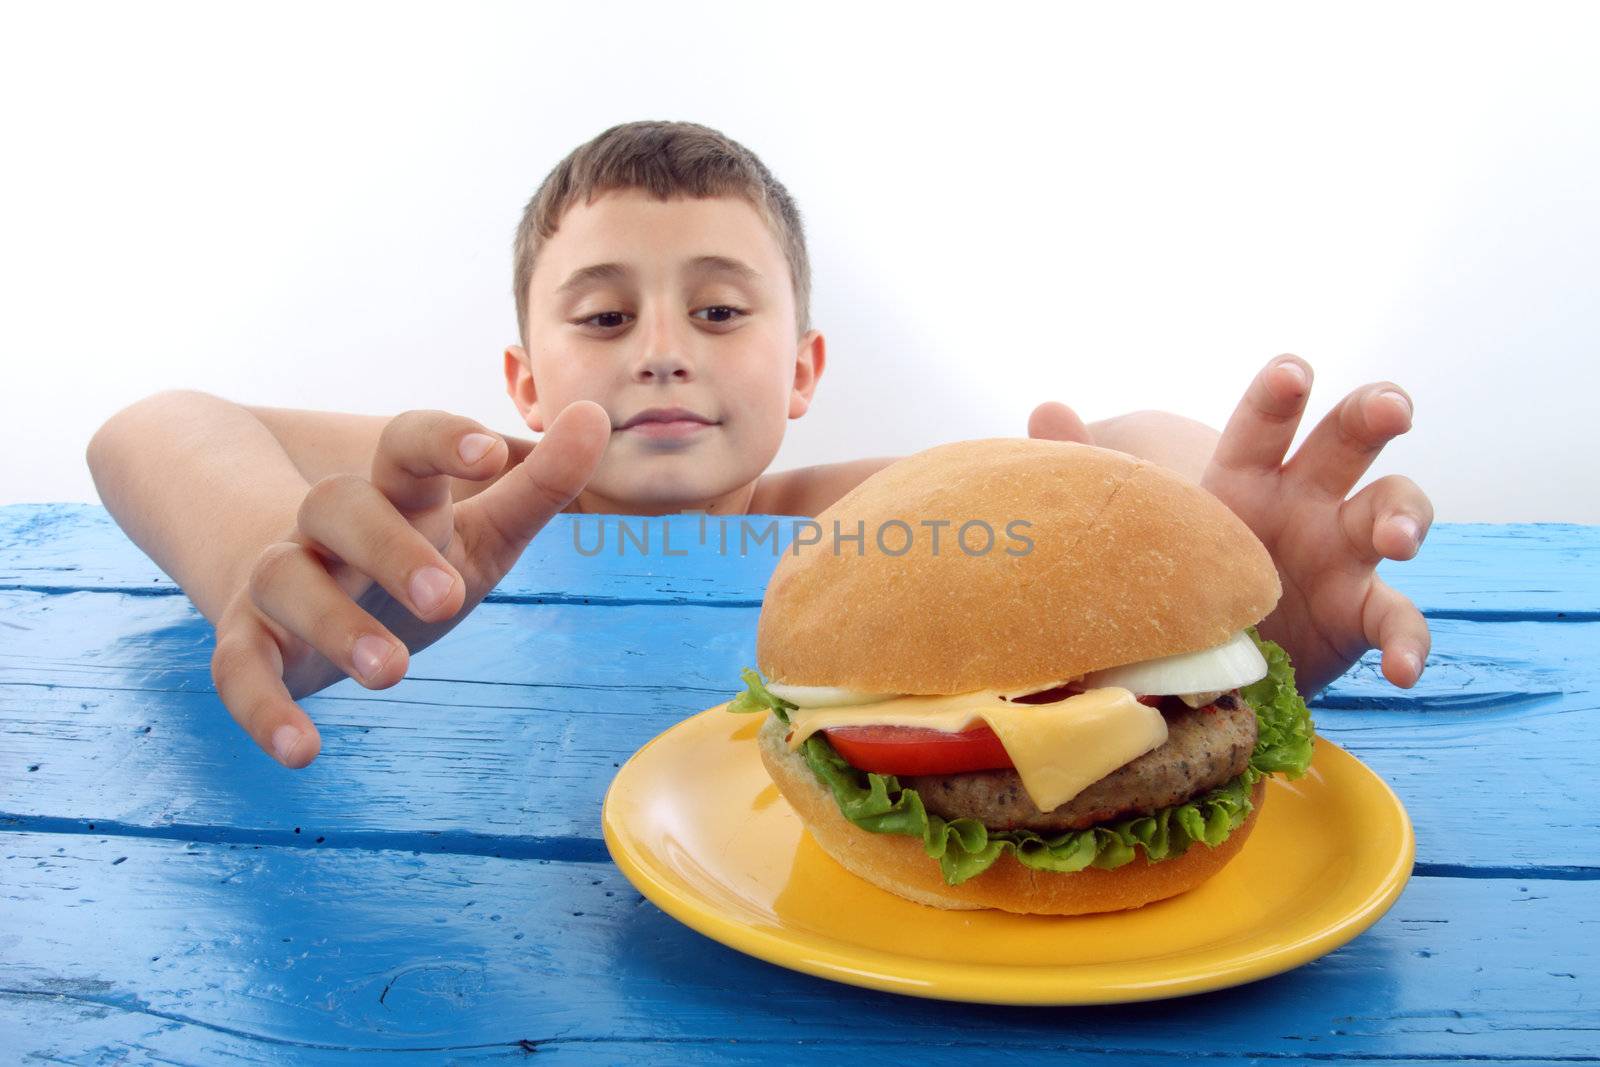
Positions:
(1059, 749)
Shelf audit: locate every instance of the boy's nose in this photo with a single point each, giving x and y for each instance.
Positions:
(665, 365)
(664, 355)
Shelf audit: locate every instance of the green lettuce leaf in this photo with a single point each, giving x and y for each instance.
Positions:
(756, 698)
(1286, 735)
(965, 848)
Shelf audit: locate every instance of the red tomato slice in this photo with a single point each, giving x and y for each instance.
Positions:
(915, 750)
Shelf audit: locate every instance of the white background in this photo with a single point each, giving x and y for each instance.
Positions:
(313, 206)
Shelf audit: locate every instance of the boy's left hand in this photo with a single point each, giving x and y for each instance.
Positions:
(1334, 606)
(1327, 547)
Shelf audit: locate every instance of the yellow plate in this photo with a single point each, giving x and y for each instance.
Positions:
(697, 826)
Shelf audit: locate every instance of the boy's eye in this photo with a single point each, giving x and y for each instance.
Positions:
(721, 309)
(607, 320)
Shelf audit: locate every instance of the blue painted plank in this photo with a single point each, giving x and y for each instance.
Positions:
(160, 643)
(582, 558)
(1541, 570)
(123, 727)
(281, 949)
(118, 640)
(78, 1029)
(1495, 754)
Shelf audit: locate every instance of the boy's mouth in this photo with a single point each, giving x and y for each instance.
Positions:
(667, 423)
(669, 430)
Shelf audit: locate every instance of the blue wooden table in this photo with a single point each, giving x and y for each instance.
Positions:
(434, 887)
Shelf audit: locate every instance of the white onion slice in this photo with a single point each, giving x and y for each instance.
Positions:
(1230, 665)
(823, 696)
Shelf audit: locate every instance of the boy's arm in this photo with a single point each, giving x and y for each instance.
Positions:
(309, 583)
(321, 443)
(200, 484)
(1173, 441)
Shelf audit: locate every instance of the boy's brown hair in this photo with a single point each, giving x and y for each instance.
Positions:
(667, 160)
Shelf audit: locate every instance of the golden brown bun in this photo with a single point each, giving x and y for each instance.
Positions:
(1129, 562)
(899, 863)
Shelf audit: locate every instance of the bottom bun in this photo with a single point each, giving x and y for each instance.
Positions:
(901, 865)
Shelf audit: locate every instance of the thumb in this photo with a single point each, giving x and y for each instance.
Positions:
(1054, 421)
(507, 515)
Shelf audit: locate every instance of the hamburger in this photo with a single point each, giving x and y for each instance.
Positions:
(1061, 706)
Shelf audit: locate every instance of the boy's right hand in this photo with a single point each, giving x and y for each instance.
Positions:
(379, 568)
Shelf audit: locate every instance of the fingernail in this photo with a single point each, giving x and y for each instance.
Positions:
(371, 653)
(475, 446)
(285, 739)
(1407, 526)
(429, 587)
(1413, 661)
(1399, 398)
(1295, 372)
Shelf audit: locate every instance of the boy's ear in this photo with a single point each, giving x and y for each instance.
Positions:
(521, 389)
(809, 360)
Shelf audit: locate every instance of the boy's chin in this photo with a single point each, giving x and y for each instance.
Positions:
(665, 485)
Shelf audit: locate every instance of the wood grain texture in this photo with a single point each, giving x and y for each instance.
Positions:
(284, 950)
(1541, 570)
(511, 753)
(575, 558)
(151, 868)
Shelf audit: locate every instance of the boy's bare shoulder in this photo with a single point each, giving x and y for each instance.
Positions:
(810, 490)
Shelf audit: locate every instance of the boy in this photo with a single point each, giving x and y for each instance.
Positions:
(663, 291)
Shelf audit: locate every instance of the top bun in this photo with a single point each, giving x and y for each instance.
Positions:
(1128, 562)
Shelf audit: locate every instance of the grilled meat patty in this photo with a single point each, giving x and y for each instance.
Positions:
(1205, 748)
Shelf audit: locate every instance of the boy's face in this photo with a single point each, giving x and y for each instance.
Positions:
(666, 327)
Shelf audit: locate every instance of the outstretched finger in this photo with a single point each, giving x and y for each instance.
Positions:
(1386, 520)
(419, 451)
(348, 517)
(1262, 427)
(506, 516)
(1391, 622)
(1054, 421)
(290, 586)
(1338, 451)
(247, 669)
